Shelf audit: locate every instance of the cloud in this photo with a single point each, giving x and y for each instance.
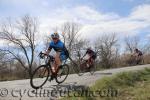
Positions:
(96, 23)
(125, 26)
(80, 14)
(24, 2)
(141, 13)
(146, 1)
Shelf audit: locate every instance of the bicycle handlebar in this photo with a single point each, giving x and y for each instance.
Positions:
(41, 55)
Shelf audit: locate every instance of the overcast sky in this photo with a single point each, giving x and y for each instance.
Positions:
(124, 17)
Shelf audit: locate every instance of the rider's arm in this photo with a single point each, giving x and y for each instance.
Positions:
(84, 54)
(48, 50)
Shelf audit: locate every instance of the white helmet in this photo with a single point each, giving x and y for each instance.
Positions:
(55, 35)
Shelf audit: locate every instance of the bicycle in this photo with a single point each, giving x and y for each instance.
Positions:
(133, 60)
(85, 67)
(82, 67)
(45, 72)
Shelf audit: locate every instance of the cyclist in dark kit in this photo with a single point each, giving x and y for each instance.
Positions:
(89, 57)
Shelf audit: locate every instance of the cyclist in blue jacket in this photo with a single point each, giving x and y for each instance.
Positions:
(61, 51)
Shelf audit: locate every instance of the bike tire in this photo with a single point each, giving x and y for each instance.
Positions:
(82, 69)
(79, 71)
(45, 68)
(76, 67)
(64, 74)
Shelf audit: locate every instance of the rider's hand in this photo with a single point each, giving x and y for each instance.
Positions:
(45, 54)
(41, 55)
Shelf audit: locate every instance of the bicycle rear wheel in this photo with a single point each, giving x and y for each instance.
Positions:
(39, 76)
(61, 77)
(83, 69)
(78, 70)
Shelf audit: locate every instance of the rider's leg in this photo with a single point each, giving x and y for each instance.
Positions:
(57, 61)
(91, 61)
(86, 57)
(88, 63)
(88, 60)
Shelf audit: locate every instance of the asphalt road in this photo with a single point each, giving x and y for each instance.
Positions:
(21, 89)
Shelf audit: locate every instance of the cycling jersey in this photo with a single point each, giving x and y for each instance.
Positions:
(59, 47)
(140, 53)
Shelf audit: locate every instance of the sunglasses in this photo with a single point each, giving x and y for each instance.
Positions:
(55, 38)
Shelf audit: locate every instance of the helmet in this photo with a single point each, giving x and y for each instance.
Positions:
(89, 48)
(136, 49)
(55, 35)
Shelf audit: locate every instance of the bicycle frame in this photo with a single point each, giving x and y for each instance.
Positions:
(50, 59)
(77, 70)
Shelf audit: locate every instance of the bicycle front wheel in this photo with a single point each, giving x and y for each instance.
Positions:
(39, 76)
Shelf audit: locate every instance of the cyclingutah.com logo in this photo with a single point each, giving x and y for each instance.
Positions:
(43, 93)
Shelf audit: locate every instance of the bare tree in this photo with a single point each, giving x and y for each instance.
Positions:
(20, 40)
(2, 62)
(80, 47)
(47, 40)
(70, 32)
(106, 46)
(132, 43)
